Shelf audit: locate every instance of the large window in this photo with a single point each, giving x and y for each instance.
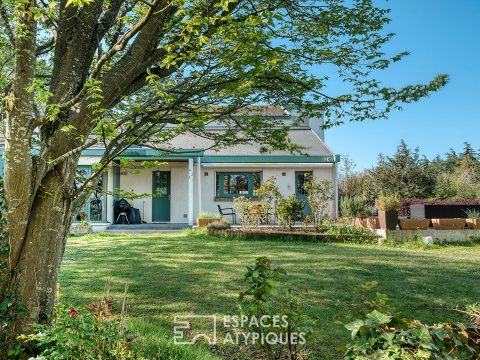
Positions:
(94, 209)
(233, 184)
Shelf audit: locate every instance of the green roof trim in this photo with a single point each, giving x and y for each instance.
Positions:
(271, 159)
(143, 154)
(148, 154)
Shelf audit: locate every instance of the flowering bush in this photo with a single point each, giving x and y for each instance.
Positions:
(290, 210)
(80, 333)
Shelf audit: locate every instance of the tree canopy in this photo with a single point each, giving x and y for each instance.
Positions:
(75, 73)
(411, 175)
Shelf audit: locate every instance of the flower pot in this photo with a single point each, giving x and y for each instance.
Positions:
(473, 224)
(448, 224)
(388, 219)
(372, 223)
(359, 222)
(81, 229)
(205, 221)
(414, 224)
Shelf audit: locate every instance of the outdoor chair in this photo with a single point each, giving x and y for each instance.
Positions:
(124, 216)
(228, 212)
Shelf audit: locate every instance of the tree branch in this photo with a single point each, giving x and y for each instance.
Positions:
(119, 46)
(51, 164)
(6, 23)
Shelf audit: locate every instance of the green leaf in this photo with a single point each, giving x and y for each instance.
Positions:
(78, 3)
(67, 128)
(355, 327)
(378, 318)
(423, 334)
(424, 354)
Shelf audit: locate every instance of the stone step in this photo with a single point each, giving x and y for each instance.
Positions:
(148, 227)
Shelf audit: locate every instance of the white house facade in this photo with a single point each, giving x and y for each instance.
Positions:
(195, 179)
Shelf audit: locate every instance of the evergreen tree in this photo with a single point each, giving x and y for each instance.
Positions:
(406, 173)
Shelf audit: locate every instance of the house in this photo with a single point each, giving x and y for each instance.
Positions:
(194, 178)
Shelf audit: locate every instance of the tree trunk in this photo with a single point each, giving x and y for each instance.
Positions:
(37, 246)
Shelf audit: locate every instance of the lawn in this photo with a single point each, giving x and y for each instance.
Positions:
(185, 273)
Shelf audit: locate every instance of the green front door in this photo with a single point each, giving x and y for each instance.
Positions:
(300, 179)
(161, 196)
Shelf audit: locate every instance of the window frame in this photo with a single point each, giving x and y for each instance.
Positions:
(86, 207)
(305, 173)
(220, 181)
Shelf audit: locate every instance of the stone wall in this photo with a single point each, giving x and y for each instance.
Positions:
(437, 235)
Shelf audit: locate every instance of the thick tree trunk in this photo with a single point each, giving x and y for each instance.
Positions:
(42, 249)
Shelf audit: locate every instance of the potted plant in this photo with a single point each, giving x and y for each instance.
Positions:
(448, 224)
(473, 219)
(206, 218)
(83, 227)
(371, 221)
(388, 206)
(414, 224)
(354, 209)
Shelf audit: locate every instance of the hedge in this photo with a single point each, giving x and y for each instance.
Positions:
(279, 235)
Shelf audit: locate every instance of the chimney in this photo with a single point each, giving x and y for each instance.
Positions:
(316, 124)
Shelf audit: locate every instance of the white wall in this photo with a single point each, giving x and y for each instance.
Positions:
(286, 184)
(88, 160)
(141, 183)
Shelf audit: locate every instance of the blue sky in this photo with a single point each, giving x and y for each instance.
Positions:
(443, 36)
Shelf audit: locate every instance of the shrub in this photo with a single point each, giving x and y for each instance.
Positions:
(347, 230)
(250, 212)
(319, 194)
(472, 214)
(80, 333)
(207, 215)
(366, 300)
(264, 300)
(270, 196)
(462, 183)
(383, 336)
(221, 225)
(354, 207)
(290, 210)
(377, 333)
(345, 235)
(388, 203)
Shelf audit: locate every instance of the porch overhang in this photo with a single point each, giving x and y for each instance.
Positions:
(150, 154)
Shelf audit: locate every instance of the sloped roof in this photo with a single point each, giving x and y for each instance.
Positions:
(262, 110)
(312, 144)
(304, 137)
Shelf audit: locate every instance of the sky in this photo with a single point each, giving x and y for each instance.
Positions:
(443, 36)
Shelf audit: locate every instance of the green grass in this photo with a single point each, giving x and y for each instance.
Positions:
(185, 273)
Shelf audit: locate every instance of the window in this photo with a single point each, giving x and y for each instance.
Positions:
(237, 184)
(94, 209)
(301, 179)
